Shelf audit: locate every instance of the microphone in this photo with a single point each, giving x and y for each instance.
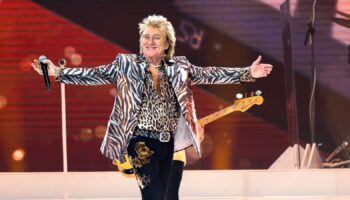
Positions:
(45, 72)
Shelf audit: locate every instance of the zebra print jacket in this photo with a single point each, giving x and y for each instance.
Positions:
(127, 71)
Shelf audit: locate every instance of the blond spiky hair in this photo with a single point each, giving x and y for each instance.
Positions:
(162, 23)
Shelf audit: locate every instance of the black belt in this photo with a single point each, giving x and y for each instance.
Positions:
(161, 136)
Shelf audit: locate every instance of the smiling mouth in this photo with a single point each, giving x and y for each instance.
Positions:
(152, 48)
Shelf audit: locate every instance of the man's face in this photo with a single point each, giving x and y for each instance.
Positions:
(154, 43)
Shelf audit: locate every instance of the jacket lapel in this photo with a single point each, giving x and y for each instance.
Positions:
(175, 75)
(141, 65)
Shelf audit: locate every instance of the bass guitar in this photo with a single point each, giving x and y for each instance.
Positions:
(241, 105)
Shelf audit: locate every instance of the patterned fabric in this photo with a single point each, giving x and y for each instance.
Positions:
(153, 134)
(143, 180)
(245, 75)
(127, 71)
(158, 112)
(143, 155)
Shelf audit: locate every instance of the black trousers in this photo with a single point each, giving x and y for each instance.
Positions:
(175, 180)
(152, 161)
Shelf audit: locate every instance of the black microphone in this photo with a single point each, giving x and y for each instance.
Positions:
(45, 72)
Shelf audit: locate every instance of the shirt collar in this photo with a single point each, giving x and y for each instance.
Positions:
(141, 58)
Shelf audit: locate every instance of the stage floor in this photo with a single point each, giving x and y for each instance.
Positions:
(308, 184)
(230, 198)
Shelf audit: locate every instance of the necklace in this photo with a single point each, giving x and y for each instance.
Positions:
(156, 66)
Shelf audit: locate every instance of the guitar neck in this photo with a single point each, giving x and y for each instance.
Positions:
(214, 116)
(239, 105)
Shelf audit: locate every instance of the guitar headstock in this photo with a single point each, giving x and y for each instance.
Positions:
(245, 103)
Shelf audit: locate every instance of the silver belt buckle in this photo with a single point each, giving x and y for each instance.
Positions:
(164, 137)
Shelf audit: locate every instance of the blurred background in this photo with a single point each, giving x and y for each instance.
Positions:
(229, 33)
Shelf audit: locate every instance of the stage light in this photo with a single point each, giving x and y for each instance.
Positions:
(244, 163)
(26, 63)
(224, 134)
(76, 59)
(85, 134)
(69, 51)
(222, 152)
(217, 46)
(3, 102)
(18, 154)
(100, 131)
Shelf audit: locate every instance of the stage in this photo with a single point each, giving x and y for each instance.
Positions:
(313, 184)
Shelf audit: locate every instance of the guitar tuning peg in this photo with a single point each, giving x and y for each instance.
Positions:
(239, 95)
(251, 93)
(258, 92)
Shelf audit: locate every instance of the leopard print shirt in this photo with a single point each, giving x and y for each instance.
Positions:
(159, 112)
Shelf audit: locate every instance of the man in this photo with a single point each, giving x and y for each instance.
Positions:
(154, 112)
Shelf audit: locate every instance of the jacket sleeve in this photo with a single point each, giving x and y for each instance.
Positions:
(219, 75)
(103, 74)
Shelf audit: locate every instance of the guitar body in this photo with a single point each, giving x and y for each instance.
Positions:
(125, 167)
